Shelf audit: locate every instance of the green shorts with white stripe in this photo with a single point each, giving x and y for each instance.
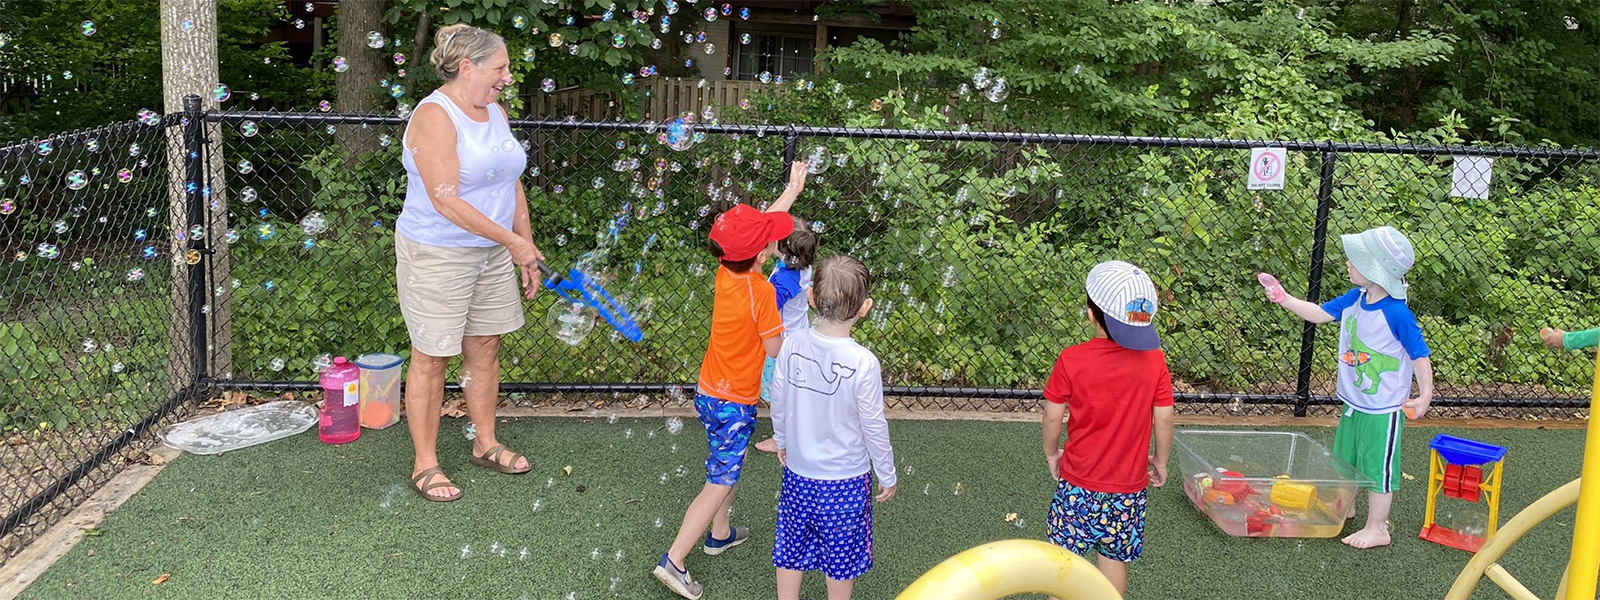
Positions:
(1371, 443)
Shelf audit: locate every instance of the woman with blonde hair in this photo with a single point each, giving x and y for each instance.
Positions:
(459, 244)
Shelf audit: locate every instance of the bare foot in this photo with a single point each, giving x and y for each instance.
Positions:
(1368, 537)
(768, 445)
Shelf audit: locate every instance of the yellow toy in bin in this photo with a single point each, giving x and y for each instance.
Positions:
(1294, 495)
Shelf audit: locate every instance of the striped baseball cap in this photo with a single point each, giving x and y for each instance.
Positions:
(1127, 297)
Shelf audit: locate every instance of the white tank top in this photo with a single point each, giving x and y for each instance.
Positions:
(491, 163)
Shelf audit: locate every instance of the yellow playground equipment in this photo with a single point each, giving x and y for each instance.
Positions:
(1583, 565)
(1010, 567)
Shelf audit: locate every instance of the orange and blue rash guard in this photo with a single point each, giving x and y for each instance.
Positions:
(744, 312)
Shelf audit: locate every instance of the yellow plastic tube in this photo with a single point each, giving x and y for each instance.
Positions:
(1584, 566)
(1010, 567)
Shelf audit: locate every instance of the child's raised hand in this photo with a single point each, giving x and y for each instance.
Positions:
(797, 175)
(885, 493)
(1274, 289)
(1552, 337)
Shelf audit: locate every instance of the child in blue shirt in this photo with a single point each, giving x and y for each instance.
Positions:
(791, 279)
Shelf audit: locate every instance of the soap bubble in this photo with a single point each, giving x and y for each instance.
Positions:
(677, 134)
(324, 106)
(765, 77)
(245, 166)
(248, 128)
(48, 250)
(148, 117)
(711, 14)
(674, 425)
(527, 54)
(221, 93)
(555, 40)
(711, 48)
(619, 41)
(197, 232)
(7, 206)
(45, 148)
(266, 231)
(744, 39)
(817, 160)
(187, 25)
(519, 21)
(89, 346)
(77, 179)
(548, 85)
(248, 194)
(276, 364)
(980, 78)
(470, 431)
(136, 274)
(231, 236)
(191, 257)
(314, 223)
(59, 227)
(744, 14)
(397, 90)
(998, 91)
(88, 28)
(340, 65)
(627, 79)
(570, 322)
(374, 39)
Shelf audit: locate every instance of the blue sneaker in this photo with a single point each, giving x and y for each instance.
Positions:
(676, 579)
(736, 536)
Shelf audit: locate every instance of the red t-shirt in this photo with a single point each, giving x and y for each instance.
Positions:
(1111, 394)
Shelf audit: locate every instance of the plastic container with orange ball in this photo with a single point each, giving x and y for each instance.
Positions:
(380, 389)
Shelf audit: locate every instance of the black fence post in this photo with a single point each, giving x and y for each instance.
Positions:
(194, 163)
(1319, 245)
(790, 140)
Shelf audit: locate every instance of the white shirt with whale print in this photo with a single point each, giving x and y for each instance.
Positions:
(827, 408)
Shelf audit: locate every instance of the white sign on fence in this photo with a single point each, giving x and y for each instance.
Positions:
(1266, 168)
(1471, 177)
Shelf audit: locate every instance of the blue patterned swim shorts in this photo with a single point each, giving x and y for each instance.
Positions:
(728, 429)
(824, 525)
(1082, 521)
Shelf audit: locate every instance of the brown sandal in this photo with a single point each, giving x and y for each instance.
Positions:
(416, 485)
(491, 460)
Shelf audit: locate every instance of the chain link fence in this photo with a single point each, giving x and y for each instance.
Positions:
(247, 248)
(95, 349)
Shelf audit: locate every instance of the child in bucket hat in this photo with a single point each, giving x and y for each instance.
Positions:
(1380, 349)
(1119, 391)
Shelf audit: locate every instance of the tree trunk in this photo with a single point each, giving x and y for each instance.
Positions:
(1408, 89)
(419, 42)
(356, 87)
(189, 67)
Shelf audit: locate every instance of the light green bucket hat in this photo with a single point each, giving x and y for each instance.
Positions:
(1382, 255)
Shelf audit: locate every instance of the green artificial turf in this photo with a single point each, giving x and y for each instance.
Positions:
(299, 519)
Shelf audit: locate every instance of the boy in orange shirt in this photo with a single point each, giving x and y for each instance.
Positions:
(746, 329)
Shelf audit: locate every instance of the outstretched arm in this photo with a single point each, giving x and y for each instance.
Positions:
(1305, 310)
(791, 190)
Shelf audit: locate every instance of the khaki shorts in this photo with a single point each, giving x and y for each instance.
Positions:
(447, 293)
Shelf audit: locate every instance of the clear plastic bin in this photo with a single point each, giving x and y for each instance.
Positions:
(380, 390)
(1267, 483)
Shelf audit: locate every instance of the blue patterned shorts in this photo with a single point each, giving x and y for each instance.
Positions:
(824, 525)
(728, 429)
(1082, 521)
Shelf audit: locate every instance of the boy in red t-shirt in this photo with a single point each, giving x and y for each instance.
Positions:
(1117, 388)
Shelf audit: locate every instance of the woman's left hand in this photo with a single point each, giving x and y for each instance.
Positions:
(527, 257)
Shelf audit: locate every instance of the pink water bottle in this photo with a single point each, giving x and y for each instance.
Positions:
(341, 403)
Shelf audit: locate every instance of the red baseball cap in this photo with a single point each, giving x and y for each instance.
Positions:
(743, 231)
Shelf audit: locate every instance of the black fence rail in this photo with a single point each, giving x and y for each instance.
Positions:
(241, 250)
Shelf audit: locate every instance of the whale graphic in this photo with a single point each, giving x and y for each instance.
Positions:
(808, 374)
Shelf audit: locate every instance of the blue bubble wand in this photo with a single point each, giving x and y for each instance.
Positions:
(578, 287)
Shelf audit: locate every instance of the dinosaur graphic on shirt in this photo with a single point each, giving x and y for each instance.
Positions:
(808, 374)
(1370, 365)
